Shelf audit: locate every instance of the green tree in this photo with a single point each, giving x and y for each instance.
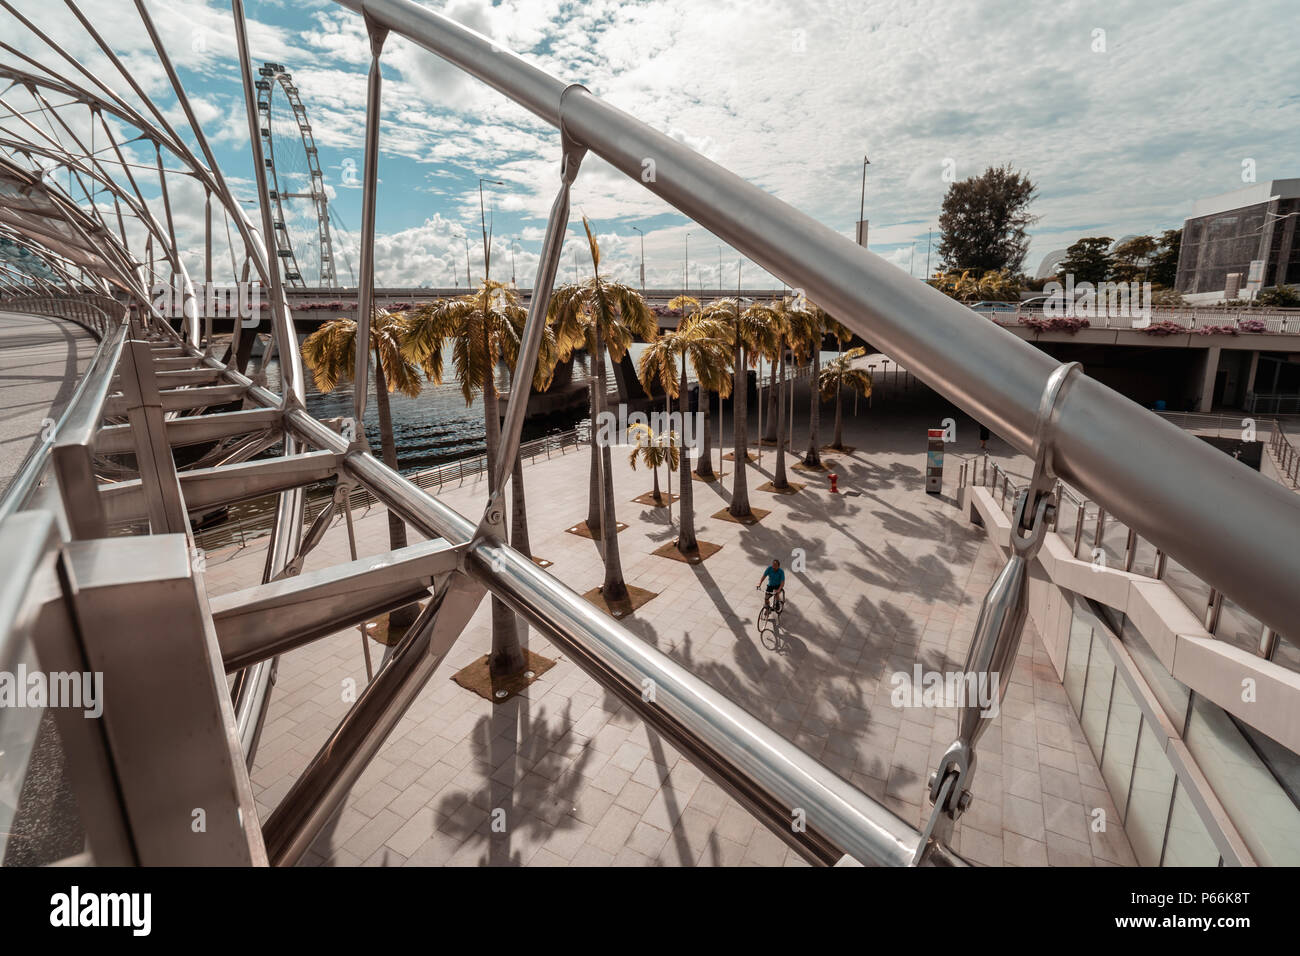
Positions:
(839, 374)
(598, 314)
(1279, 297)
(482, 328)
(1133, 259)
(330, 352)
(984, 221)
(1088, 260)
(1164, 262)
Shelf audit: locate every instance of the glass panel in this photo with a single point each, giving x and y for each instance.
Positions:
(1096, 698)
(1268, 820)
(1121, 742)
(1173, 696)
(1148, 803)
(39, 820)
(1188, 843)
(1076, 660)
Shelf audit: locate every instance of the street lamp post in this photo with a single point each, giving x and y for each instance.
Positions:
(642, 234)
(513, 242)
(482, 216)
(686, 267)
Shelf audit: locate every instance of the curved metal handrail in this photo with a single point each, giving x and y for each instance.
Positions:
(79, 418)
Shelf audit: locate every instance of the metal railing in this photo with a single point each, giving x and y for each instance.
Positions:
(1279, 404)
(1279, 445)
(244, 529)
(1243, 321)
(97, 313)
(1089, 527)
(1103, 443)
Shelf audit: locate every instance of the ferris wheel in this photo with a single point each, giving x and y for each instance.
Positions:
(300, 213)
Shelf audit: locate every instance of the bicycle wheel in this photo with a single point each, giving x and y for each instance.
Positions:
(764, 616)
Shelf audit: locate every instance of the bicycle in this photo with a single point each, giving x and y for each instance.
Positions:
(771, 613)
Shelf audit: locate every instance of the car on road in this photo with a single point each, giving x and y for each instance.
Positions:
(993, 309)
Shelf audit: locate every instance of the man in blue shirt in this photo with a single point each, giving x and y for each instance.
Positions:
(775, 579)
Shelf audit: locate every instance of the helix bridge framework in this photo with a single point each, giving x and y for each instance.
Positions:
(93, 571)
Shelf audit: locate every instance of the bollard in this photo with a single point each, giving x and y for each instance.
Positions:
(834, 483)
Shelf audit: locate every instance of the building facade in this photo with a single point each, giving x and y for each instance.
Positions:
(1240, 242)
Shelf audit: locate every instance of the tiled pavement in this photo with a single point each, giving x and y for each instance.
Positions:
(892, 579)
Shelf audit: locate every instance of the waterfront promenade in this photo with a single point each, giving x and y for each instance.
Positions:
(891, 578)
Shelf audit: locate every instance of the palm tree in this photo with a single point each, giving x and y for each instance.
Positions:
(839, 374)
(483, 328)
(654, 450)
(700, 344)
(789, 325)
(811, 332)
(330, 352)
(703, 467)
(750, 334)
(597, 314)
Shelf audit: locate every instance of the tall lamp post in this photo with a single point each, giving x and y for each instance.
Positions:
(862, 205)
(513, 242)
(482, 218)
(461, 235)
(642, 258)
(686, 267)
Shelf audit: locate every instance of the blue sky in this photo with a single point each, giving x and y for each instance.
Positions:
(1122, 113)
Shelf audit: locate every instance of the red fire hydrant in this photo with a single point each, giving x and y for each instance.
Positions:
(834, 483)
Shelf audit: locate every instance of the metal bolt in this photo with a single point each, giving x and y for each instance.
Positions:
(530, 674)
(500, 694)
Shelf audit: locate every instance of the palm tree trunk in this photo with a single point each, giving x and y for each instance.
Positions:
(739, 507)
(519, 510)
(614, 589)
(593, 483)
(507, 657)
(780, 480)
(658, 495)
(686, 542)
(814, 457)
(839, 417)
(402, 618)
(704, 467)
(772, 401)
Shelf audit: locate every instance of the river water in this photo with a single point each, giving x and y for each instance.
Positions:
(437, 426)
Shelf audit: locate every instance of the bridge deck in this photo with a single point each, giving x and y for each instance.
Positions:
(41, 361)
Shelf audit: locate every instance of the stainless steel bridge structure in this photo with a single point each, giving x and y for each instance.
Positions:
(97, 568)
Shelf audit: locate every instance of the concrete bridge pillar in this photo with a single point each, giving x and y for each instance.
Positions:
(1208, 372)
(629, 385)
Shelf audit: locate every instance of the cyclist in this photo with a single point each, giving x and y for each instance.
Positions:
(775, 579)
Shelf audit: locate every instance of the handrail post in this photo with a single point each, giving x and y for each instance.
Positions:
(1212, 610)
